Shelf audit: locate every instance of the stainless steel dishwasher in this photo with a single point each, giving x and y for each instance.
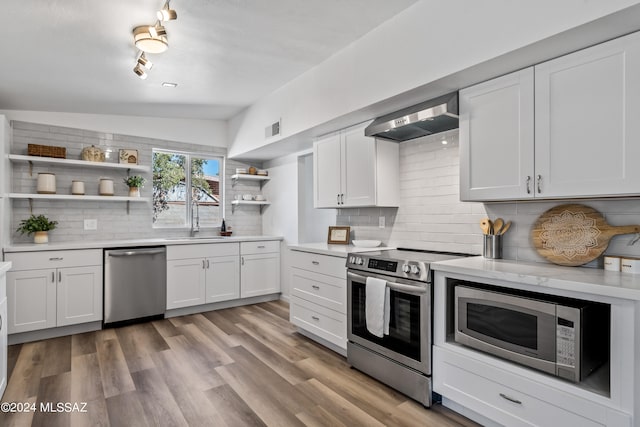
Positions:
(135, 284)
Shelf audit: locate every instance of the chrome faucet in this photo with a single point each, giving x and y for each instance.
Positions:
(195, 228)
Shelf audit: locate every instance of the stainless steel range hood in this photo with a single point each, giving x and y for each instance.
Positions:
(434, 116)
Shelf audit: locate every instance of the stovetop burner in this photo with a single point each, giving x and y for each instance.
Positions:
(402, 262)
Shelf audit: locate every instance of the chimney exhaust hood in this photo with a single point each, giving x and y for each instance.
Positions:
(434, 116)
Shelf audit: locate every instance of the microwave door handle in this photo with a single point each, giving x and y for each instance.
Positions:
(391, 285)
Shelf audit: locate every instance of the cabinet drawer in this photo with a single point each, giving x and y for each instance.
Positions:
(53, 259)
(325, 323)
(202, 250)
(248, 248)
(470, 386)
(327, 291)
(323, 264)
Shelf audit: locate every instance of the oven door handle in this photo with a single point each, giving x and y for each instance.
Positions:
(391, 285)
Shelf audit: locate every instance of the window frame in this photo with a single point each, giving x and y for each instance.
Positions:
(222, 159)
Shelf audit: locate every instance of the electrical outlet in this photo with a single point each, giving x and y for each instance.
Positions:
(381, 222)
(90, 224)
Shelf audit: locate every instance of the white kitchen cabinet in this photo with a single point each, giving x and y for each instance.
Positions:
(68, 293)
(497, 139)
(185, 282)
(202, 274)
(223, 278)
(259, 268)
(585, 106)
(351, 169)
(319, 296)
(512, 394)
(3, 332)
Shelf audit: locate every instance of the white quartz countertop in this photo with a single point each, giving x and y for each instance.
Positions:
(334, 250)
(575, 279)
(4, 267)
(33, 247)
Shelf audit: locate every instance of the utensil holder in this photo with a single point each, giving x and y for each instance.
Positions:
(492, 246)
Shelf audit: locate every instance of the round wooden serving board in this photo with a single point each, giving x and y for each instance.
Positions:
(574, 234)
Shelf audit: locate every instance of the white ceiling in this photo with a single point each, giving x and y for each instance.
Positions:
(78, 55)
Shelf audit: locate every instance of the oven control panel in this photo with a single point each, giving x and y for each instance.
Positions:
(408, 269)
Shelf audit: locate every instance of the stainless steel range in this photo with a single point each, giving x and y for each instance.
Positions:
(401, 358)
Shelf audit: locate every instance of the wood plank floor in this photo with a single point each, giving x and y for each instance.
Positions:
(244, 366)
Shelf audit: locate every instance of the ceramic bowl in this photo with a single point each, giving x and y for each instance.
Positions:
(247, 197)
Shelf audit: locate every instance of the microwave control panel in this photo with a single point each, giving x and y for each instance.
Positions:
(565, 342)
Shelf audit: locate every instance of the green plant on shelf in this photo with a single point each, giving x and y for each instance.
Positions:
(35, 223)
(135, 181)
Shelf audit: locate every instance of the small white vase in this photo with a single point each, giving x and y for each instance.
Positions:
(134, 192)
(41, 237)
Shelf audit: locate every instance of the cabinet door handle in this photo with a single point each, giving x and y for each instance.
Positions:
(510, 399)
(316, 318)
(1, 323)
(56, 259)
(207, 264)
(59, 276)
(337, 199)
(315, 263)
(53, 277)
(316, 287)
(242, 260)
(539, 182)
(261, 247)
(342, 199)
(203, 264)
(528, 184)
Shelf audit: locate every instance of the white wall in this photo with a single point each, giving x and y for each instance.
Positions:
(410, 50)
(313, 223)
(202, 132)
(280, 217)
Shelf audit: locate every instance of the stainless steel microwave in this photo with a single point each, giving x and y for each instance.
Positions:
(561, 336)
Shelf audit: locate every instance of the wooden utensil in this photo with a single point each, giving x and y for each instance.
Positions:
(497, 226)
(486, 225)
(505, 227)
(574, 234)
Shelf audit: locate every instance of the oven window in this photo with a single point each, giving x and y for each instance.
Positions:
(404, 322)
(506, 325)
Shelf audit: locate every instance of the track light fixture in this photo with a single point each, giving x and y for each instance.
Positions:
(157, 30)
(147, 42)
(140, 72)
(143, 61)
(152, 39)
(167, 14)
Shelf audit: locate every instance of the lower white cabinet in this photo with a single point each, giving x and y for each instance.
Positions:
(319, 296)
(3, 335)
(40, 297)
(259, 268)
(194, 279)
(503, 396)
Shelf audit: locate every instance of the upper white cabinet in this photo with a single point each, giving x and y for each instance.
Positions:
(351, 170)
(496, 138)
(582, 109)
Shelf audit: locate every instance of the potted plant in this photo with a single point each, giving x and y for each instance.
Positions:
(39, 226)
(134, 182)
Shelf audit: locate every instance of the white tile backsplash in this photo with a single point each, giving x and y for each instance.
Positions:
(431, 215)
(113, 221)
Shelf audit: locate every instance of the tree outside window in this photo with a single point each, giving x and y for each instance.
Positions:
(186, 186)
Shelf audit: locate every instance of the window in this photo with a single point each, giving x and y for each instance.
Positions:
(187, 189)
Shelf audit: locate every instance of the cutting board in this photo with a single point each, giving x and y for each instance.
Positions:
(574, 234)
